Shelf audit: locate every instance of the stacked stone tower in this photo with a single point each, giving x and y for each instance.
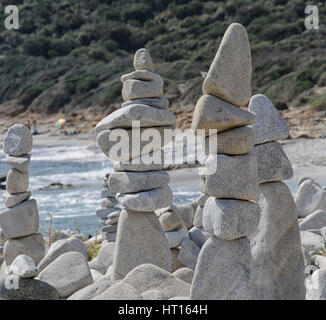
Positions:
(141, 187)
(19, 223)
(230, 215)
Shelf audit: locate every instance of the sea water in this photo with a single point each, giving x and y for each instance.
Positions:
(84, 168)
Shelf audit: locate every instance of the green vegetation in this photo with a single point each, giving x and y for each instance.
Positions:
(70, 54)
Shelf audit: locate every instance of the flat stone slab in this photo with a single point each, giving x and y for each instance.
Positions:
(17, 182)
(315, 220)
(137, 89)
(175, 238)
(108, 203)
(143, 60)
(147, 277)
(21, 220)
(129, 182)
(269, 125)
(171, 221)
(68, 273)
(104, 213)
(213, 113)
(32, 246)
(146, 115)
(18, 140)
(162, 103)
(147, 201)
(223, 271)
(140, 239)
(123, 145)
(12, 200)
(236, 141)
(229, 76)
(23, 267)
(144, 75)
(232, 177)
(230, 219)
(278, 262)
(273, 164)
(19, 163)
(309, 198)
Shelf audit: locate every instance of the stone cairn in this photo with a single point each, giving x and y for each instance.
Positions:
(109, 213)
(142, 188)
(278, 265)
(19, 223)
(230, 215)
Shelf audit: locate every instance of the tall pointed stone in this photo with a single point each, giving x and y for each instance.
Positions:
(229, 76)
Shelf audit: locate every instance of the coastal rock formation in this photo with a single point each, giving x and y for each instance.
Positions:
(141, 186)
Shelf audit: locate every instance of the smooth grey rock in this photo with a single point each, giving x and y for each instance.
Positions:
(276, 248)
(61, 247)
(21, 220)
(188, 254)
(175, 238)
(309, 198)
(310, 242)
(12, 200)
(105, 212)
(68, 273)
(106, 254)
(143, 60)
(153, 161)
(235, 141)
(198, 219)
(176, 264)
(223, 271)
(129, 182)
(213, 113)
(229, 76)
(23, 267)
(137, 89)
(147, 201)
(187, 213)
(32, 246)
(119, 144)
(185, 274)
(96, 275)
(303, 179)
(29, 289)
(317, 286)
(202, 199)
(171, 221)
(96, 265)
(269, 125)
(119, 291)
(146, 115)
(230, 219)
(150, 277)
(19, 163)
(153, 295)
(273, 164)
(92, 290)
(111, 228)
(108, 203)
(232, 176)
(109, 236)
(199, 236)
(162, 103)
(107, 193)
(140, 239)
(144, 75)
(18, 140)
(180, 298)
(17, 182)
(315, 220)
(113, 218)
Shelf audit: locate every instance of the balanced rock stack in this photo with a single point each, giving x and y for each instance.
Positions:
(142, 187)
(276, 248)
(19, 223)
(230, 215)
(109, 213)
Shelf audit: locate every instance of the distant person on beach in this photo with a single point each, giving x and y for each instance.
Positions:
(34, 126)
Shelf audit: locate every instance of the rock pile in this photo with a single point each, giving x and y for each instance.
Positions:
(230, 216)
(19, 223)
(142, 187)
(278, 264)
(109, 213)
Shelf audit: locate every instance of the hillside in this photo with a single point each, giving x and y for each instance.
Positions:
(69, 55)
